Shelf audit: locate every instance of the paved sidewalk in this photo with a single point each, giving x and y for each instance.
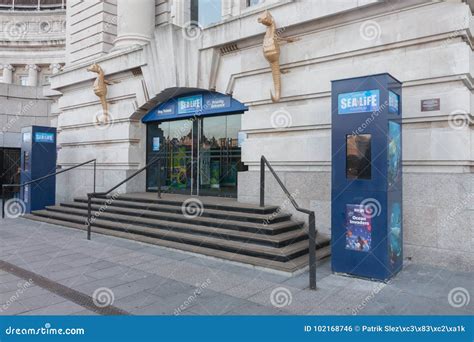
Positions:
(143, 279)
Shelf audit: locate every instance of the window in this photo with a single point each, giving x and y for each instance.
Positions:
(359, 156)
(206, 12)
(24, 80)
(254, 2)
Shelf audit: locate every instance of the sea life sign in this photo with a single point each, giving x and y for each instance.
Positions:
(359, 102)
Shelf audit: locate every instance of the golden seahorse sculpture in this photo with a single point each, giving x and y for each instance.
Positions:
(271, 51)
(100, 90)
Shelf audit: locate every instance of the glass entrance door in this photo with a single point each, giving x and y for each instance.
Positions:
(219, 155)
(200, 157)
(174, 142)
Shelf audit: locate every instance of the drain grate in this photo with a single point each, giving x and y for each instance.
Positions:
(61, 290)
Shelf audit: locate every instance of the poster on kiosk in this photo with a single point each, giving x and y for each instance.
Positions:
(366, 213)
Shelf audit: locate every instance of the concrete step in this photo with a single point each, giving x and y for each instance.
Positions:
(224, 222)
(282, 254)
(289, 267)
(208, 211)
(216, 203)
(136, 219)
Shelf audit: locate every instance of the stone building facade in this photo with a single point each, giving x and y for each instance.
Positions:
(156, 50)
(32, 48)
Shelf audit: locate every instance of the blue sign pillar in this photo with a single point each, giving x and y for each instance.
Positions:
(38, 159)
(366, 194)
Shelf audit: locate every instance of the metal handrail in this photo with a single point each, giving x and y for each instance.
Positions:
(311, 220)
(38, 180)
(105, 193)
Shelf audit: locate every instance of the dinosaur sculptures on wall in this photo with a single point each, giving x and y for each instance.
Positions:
(271, 51)
(100, 90)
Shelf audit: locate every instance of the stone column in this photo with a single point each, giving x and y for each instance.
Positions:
(8, 73)
(135, 22)
(226, 9)
(33, 70)
(55, 68)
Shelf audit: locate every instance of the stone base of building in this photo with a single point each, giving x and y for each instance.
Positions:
(79, 182)
(438, 209)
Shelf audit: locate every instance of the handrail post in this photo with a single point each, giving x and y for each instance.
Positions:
(89, 205)
(3, 202)
(262, 182)
(312, 251)
(158, 181)
(95, 168)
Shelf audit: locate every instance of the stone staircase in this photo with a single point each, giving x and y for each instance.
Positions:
(217, 227)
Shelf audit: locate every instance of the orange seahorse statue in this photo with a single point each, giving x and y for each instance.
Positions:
(271, 51)
(100, 90)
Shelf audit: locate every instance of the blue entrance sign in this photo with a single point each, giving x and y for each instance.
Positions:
(44, 137)
(359, 102)
(195, 104)
(190, 104)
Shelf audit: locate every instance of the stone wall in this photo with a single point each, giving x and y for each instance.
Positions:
(21, 107)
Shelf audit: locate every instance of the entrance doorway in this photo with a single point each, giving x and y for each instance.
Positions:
(200, 156)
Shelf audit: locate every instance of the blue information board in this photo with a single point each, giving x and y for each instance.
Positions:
(366, 206)
(38, 159)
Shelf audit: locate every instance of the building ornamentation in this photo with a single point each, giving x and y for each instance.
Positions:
(8, 70)
(100, 90)
(271, 51)
(55, 68)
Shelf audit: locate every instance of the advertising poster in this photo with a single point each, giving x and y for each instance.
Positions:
(156, 144)
(358, 228)
(394, 154)
(395, 233)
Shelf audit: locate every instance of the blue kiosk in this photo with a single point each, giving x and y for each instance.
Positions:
(366, 194)
(38, 159)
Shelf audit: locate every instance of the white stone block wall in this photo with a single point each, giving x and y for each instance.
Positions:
(21, 107)
(91, 27)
